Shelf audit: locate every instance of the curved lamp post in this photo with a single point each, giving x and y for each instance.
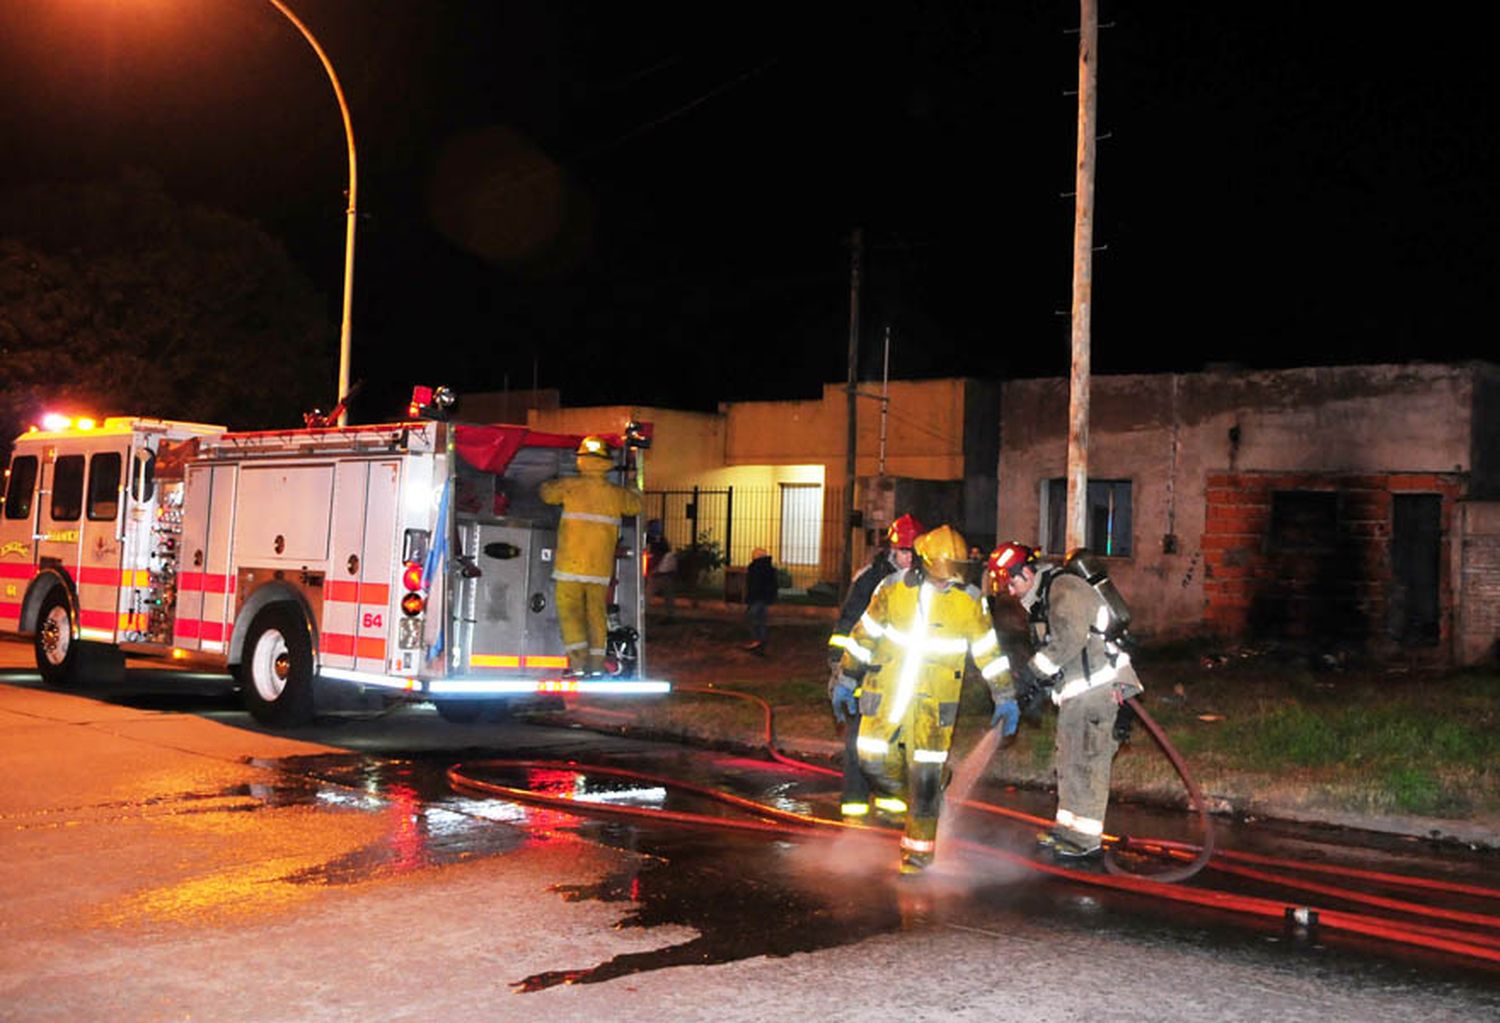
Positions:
(338, 92)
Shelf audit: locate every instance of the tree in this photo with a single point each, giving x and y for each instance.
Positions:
(117, 300)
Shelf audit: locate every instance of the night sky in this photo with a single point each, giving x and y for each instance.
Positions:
(652, 203)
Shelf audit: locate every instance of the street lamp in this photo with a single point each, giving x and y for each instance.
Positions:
(338, 92)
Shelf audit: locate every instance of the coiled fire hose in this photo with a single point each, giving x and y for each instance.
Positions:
(1195, 802)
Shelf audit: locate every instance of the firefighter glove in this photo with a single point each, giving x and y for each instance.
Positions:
(1007, 717)
(845, 706)
(1031, 692)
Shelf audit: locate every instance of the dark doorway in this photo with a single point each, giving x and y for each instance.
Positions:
(1416, 545)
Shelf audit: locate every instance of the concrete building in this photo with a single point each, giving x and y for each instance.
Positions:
(1349, 505)
(773, 473)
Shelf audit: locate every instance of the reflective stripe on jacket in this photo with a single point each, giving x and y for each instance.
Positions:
(920, 635)
(1070, 639)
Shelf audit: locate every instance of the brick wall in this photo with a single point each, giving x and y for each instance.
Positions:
(1334, 580)
(1479, 605)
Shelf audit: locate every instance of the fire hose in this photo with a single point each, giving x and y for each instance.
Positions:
(1466, 933)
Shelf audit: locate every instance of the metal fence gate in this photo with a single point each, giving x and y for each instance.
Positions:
(799, 524)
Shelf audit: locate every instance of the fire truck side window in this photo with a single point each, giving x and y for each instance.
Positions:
(104, 486)
(22, 487)
(67, 488)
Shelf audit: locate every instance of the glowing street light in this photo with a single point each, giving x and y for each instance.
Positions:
(338, 92)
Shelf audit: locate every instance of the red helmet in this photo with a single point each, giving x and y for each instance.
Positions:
(904, 532)
(1009, 558)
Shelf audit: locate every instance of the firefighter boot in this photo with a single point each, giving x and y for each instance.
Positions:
(918, 845)
(1066, 852)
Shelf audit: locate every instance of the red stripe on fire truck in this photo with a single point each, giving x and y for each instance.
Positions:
(343, 591)
(96, 619)
(206, 582)
(91, 576)
(344, 645)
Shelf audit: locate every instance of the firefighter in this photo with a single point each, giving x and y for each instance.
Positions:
(587, 535)
(1089, 679)
(913, 642)
(894, 555)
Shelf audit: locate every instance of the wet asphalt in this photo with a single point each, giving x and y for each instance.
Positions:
(747, 896)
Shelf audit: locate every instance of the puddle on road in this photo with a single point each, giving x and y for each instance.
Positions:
(740, 909)
(428, 826)
(743, 896)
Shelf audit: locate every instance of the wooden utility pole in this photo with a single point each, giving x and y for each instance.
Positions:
(846, 559)
(1083, 278)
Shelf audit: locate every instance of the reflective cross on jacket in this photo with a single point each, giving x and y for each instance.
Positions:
(913, 642)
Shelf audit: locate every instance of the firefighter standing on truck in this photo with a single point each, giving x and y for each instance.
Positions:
(1089, 678)
(895, 555)
(587, 535)
(913, 643)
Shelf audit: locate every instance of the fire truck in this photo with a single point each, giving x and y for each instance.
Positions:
(400, 561)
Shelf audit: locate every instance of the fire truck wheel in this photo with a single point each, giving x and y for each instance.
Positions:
(276, 668)
(56, 641)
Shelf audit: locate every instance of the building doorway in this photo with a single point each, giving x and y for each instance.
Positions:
(1416, 551)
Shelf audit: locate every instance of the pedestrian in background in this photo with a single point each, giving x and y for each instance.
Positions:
(661, 567)
(760, 594)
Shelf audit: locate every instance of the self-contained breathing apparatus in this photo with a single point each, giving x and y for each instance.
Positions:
(1033, 692)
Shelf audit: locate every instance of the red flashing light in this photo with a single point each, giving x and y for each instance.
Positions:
(411, 576)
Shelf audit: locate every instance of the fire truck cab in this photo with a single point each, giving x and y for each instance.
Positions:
(408, 560)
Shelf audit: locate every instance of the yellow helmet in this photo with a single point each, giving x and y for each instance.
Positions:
(595, 445)
(944, 552)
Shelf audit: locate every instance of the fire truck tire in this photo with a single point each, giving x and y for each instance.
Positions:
(275, 672)
(56, 641)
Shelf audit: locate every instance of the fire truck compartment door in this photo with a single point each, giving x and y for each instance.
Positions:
(203, 580)
(357, 595)
(497, 605)
(287, 512)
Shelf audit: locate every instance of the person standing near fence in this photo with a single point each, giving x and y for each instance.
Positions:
(760, 594)
(661, 567)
